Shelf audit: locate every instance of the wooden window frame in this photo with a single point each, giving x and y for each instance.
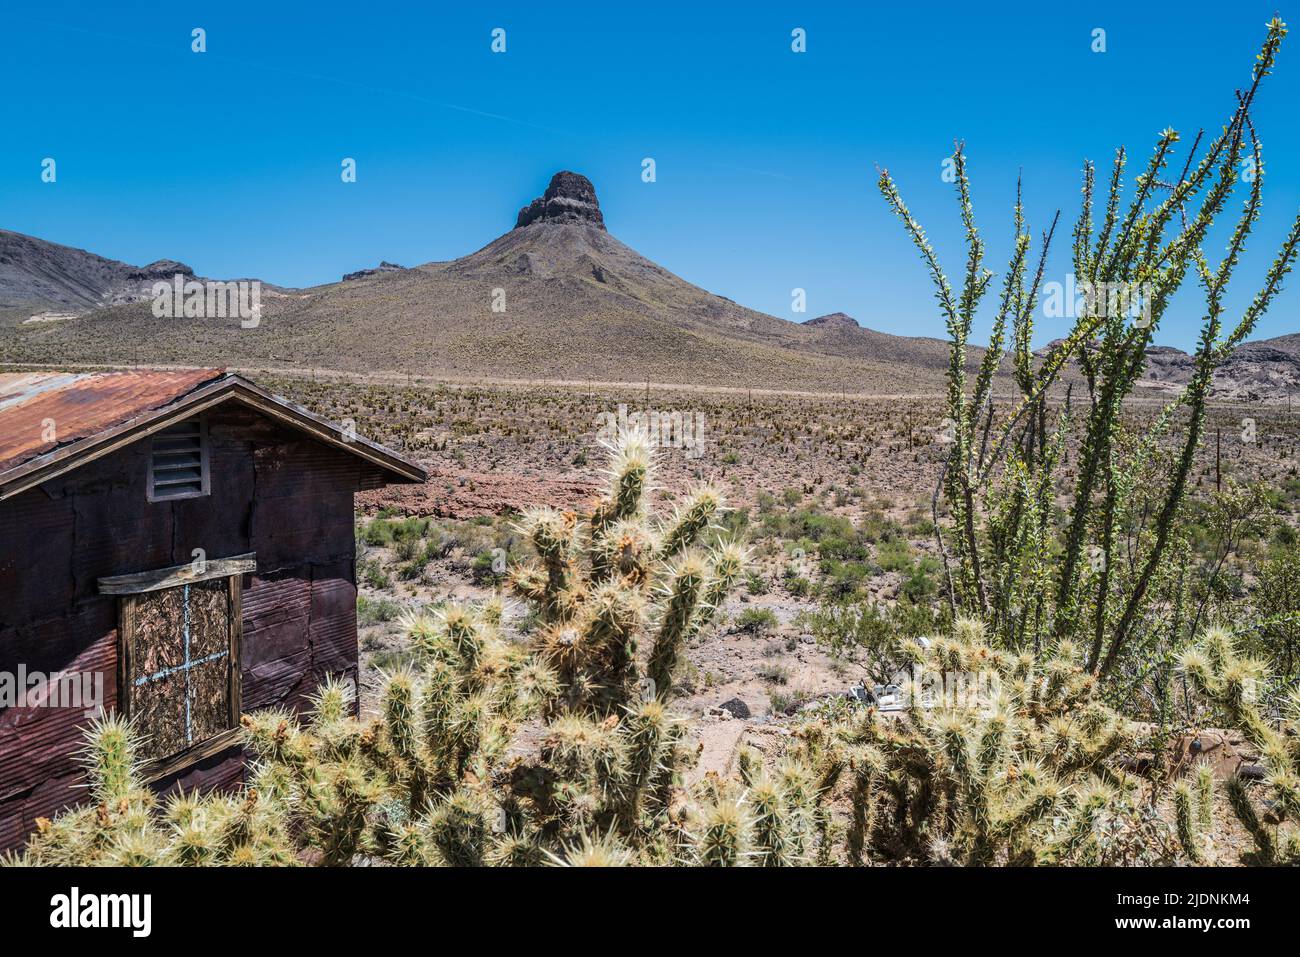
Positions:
(205, 472)
(126, 588)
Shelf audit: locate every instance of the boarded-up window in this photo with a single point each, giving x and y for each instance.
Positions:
(179, 659)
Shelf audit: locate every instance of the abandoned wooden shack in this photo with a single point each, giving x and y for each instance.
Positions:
(176, 546)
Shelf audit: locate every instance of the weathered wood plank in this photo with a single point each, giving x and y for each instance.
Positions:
(139, 582)
(164, 767)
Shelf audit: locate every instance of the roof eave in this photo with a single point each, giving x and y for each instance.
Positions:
(229, 387)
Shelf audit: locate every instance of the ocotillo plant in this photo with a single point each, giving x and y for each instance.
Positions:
(1234, 682)
(1002, 468)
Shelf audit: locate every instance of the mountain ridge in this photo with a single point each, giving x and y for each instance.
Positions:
(557, 296)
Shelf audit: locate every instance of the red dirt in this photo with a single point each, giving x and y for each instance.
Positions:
(460, 493)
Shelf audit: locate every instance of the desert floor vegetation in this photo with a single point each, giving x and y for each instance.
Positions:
(1049, 617)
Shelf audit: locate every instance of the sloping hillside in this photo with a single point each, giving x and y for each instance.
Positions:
(558, 297)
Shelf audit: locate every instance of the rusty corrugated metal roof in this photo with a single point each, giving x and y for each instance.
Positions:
(41, 411)
(93, 414)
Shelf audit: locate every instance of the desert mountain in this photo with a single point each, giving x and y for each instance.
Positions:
(556, 297)
(1265, 369)
(38, 274)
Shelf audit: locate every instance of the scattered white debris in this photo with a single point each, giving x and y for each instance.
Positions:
(50, 317)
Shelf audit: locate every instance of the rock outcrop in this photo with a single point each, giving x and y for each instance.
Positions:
(1267, 369)
(384, 266)
(163, 269)
(570, 198)
(834, 320)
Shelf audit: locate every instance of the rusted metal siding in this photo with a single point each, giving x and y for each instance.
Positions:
(298, 628)
(37, 775)
(275, 492)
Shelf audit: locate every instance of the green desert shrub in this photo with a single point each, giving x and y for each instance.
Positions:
(1112, 576)
(371, 611)
(758, 621)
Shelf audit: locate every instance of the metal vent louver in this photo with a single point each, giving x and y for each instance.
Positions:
(178, 465)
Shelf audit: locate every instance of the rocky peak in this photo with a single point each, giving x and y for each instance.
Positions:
(570, 198)
(834, 320)
(383, 267)
(160, 269)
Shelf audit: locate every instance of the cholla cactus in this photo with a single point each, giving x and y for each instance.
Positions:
(771, 823)
(1186, 821)
(426, 780)
(1232, 681)
(722, 832)
(1194, 812)
(605, 583)
(999, 759)
(605, 851)
(411, 784)
(125, 826)
(995, 760)
(606, 586)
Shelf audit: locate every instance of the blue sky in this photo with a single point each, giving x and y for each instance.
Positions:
(230, 160)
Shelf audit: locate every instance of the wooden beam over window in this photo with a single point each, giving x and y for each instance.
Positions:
(195, 571)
